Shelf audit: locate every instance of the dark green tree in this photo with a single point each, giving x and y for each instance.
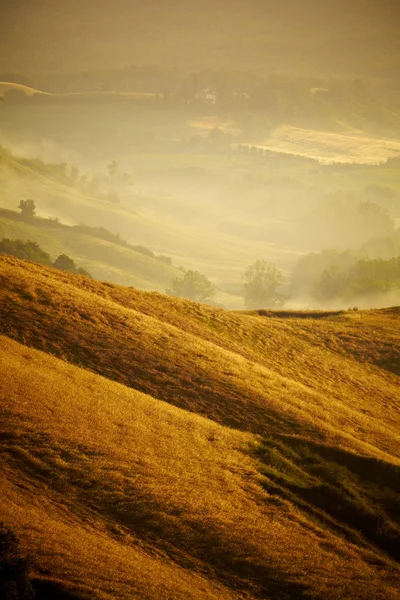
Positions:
(27, 208)
(194, 286)
(65, 263)
(263, 279)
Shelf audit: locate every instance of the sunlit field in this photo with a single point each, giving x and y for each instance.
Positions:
(330, 147)
(114, 493)
(308, 468)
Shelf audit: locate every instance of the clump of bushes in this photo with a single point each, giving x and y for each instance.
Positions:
(367, 278)
(32, 251)
(25, 250)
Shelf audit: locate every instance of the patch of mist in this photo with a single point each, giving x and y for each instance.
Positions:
(47, 150)
(370, 302)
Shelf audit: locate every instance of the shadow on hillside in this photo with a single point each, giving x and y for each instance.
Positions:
(355, 496)
(187, 541)
(51, 589)
(299, 314)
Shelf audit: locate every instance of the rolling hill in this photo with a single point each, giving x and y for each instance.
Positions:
(29, 178)
(275, 475)
(205, 244)
(103, 258)
(6, 86)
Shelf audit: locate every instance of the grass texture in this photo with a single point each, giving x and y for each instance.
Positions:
(278, 480)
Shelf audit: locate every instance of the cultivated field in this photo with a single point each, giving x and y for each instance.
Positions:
(332, 147)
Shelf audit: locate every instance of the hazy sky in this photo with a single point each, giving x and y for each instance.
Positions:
(308, 35)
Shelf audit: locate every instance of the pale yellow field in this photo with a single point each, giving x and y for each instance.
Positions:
(330, 147)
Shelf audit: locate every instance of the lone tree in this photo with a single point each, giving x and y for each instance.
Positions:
(66, 263)
(262, 281)
(193, 286)
(113, 169)
(27, 208)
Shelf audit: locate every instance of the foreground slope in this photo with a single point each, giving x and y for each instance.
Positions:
(321, 391)
(115, 494)
(262, 375)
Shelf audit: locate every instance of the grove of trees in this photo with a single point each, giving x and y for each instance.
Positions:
(368, 277)
(32, 251)
(25, 250)
(263, 280)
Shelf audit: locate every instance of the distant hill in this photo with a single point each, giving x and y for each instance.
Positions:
(6, 86)
(102, 258)
(200, 244)
(115, 493)
(55, 199)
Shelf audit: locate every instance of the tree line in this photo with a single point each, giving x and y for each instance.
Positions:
(261, 288)
(346, 279)
(29, 250)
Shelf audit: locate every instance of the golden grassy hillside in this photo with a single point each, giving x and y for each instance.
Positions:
(259, 374)
(302, 502)
(115, 494)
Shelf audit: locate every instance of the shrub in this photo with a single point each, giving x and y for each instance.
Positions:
(25, 250)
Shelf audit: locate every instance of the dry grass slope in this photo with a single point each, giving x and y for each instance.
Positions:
(302, 503)
(263, 375)
(117, 495)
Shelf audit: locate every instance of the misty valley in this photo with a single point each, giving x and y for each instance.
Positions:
(198, 185)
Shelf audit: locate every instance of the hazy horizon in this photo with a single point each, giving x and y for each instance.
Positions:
(314, 38)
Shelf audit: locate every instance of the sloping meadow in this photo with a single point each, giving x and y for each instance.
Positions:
(115, 494)
(303, 501)
(261, 375)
